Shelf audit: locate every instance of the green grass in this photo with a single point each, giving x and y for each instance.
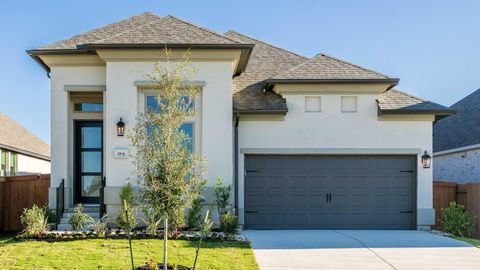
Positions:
(471, 241)
(114, 254)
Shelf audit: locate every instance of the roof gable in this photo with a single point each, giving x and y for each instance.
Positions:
(325, 67)
(103, 32)
(167, 30)
(265, 61)
(145, 28)
(17, 138)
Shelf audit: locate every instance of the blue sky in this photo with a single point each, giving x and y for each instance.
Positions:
(432, 46)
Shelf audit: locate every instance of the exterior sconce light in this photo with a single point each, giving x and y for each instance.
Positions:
(426, 160)
(120, 128)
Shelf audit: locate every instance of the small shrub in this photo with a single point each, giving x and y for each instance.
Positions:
(229, 223)
(127, 211)
(126, 194)
(194, 213)
(152, 220)
(35, 221)
(222, 196)
(151, 264)
(79, 219)
(457, 221)
(98, 226)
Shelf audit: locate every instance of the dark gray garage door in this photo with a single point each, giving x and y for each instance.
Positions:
(329, 192)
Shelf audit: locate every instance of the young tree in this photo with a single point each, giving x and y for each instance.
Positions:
(169, 174)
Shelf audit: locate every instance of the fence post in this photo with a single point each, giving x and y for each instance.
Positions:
(473, 204)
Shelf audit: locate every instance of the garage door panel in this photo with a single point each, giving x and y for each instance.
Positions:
(273, 182)
(275, 219)
(367, 192)
(255, 201)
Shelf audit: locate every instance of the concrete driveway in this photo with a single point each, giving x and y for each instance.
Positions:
(328, 249)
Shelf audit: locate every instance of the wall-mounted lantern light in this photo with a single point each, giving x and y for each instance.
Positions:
(426, 160)
(120, 128)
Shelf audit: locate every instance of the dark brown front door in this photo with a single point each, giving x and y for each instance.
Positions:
(88, 161)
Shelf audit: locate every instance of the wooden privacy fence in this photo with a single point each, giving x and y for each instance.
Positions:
(19, 192)
(465, 194)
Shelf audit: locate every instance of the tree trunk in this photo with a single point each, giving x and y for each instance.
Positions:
(165, 244)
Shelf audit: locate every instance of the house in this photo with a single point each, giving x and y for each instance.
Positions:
(21, 152)
(307, 143)
(456, 143)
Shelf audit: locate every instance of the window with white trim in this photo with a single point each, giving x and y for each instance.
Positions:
(349, 104)
(188, 127)
(313, 104)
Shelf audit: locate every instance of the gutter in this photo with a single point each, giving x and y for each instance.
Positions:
(246, 50)
(271, 82)
(439, 113)
(25, 152)
(456, 150)
(235, 158)
(267, 112)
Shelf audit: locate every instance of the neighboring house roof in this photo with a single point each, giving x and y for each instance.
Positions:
(461, 129)
(265, 61)
(16, 138)
(261, 65)
(395, 101)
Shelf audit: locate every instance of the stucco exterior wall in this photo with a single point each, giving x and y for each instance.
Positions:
(31, 165)
(213, 126)
(62, 123)
(461, 167)
(331, 129)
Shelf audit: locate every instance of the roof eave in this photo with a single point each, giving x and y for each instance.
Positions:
(269, 112)
(438, 113)
(25, 152)
(246, 50)
(36, 53)
(271, 82)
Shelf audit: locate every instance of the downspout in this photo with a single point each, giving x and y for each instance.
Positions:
(235, 159)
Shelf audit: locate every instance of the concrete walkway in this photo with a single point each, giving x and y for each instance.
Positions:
(327, 249)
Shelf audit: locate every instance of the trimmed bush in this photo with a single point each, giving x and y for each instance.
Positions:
(79, 219)
(229, 223)
(457, 221)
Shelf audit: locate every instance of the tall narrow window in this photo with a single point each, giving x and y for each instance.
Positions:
(349, 104)
(313, 104)
(3, 163)
(12, 164)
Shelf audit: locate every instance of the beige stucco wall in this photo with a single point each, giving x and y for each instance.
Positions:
(62, 122)
(31, 165)
(297, 132)
(331, 131)
(213, 126)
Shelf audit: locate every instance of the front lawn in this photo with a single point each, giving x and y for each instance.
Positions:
(471, 241)
(114, 254)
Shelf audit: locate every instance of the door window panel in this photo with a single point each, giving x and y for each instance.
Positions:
(91, 137)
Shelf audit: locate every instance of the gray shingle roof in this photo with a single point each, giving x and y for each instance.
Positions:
(461, 129)
(397, 100)
(325, 67)
(265, 61)
(17, 138)
(145, 28)
(266, 64)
